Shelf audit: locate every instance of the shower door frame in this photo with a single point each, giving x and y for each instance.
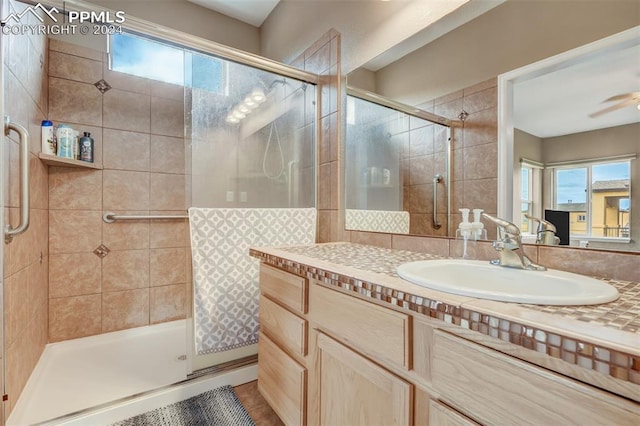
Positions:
(3, 164)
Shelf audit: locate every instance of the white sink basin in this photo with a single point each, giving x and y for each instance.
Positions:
(477, 278)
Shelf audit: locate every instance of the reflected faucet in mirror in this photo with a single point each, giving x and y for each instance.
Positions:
(509, 246)
(546, 233)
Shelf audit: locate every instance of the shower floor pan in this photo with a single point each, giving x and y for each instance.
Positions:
(82, 373)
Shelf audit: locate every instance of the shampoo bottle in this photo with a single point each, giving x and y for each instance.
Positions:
(48, 141)
(65, 141)
(86, 147)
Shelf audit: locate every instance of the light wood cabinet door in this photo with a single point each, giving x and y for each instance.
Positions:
(288, 289)
(282, 382)
(287, 329)
(355, 391)
(494, 388)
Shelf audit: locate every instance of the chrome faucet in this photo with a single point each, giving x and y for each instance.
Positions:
(546, 233)
(509, 246)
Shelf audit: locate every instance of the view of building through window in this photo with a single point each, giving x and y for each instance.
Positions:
(597, 197)
(147, 58)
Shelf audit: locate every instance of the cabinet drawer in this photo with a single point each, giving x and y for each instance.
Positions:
(377, 331)
(287, 329)
(494, 388)
(282, 382)
(288, 289)
(441, 415)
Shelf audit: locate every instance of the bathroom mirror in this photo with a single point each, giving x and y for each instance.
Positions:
(446, 68)
(398, 156)
(569, 142)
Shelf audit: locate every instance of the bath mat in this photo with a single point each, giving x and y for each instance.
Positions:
(217, 407)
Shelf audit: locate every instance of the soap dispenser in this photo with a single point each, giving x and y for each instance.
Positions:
(477, 228)
(463, 234)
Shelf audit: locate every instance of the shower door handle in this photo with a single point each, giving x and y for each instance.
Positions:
(9, 231)
(436, 180)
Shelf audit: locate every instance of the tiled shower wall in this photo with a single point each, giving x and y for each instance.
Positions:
(138, 127)
(323, 58)
(26, 257)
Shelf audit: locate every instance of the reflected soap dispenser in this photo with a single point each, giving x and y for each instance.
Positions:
(465, 226)
(477, 228)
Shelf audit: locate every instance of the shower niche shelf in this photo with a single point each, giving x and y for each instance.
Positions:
(54, 160)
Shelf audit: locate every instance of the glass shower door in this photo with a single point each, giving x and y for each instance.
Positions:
(250, 143)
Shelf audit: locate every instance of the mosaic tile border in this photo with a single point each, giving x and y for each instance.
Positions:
(618, 365)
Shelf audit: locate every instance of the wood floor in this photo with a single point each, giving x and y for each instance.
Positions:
(254, 403)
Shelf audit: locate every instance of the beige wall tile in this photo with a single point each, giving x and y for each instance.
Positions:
(125, 270)
(167, 117)
(437, 246)
(480, 161)
(167, 192)
(335, 185)
(328, 143)
(74, 274)
(38, 183)
(167, 266)
(161, 89)
(371, 238)
(74, 68)
(450, 109)
(167, 303)
(329, 88)
(483, 85)
(73, 231)
(73, 317)
(126, 82)
(481, 127)
(126, 235)
(125, 309)
(127, 111)
(421, 141)
(167, 154)
(17, 368)
(168, 233)
(481, 194)
(592, 262)
(421, 169)
(74, 49)
(125, 190)
(74, 102)
(16, 305)
(123, 150)
(324, 186)
(480, 100)
(320, 60)
(75, 189)
(327, 226)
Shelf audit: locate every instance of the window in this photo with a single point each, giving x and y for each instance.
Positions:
(147, 58)
(530, 185)
(527, 193)
(597, 197)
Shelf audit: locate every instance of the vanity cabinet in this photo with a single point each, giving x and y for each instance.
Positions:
(355, 391)
(328, 357)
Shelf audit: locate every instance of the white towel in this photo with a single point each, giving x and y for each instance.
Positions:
(396, 222)
(225, 277)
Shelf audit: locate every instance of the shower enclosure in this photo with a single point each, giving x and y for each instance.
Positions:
(219, 128)
(399, 178)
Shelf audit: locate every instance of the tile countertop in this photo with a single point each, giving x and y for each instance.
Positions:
(603, 338)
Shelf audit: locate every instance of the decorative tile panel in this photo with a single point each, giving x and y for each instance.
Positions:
(396, 222)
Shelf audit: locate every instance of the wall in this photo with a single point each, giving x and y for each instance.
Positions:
(26, 258)
(323, 58)
(138, 127)
(192, 19)
(609, 142)
(509, 36)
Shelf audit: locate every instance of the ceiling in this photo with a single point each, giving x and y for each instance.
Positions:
(560, 102)
(252, 12)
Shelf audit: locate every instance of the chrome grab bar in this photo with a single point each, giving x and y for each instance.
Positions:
(436, 180)
(111, 217)
(9, 231)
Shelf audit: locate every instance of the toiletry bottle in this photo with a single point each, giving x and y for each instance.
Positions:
(65, 141)
(477, 227)
(86, 147)
(465, 225)
(48, 142)
(76, 146)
